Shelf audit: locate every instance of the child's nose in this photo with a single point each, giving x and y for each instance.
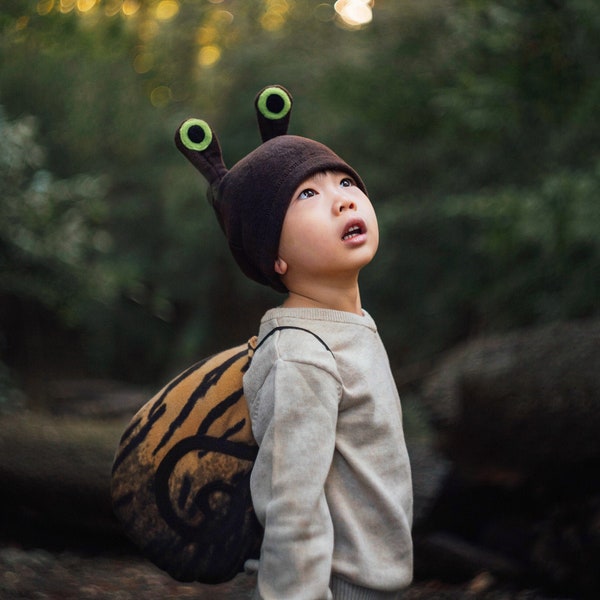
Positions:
(343, 204)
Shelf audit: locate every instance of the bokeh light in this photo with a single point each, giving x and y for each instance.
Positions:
(148, 30)
(143, 62)
(206, 35)
(355, 13)
(166, 9)
(275, 15)
(85, 5)
(160, 96)
(130, 7)
(112, 7)
(44, 7)
(324, 12)
(66, 6)
(209, 55)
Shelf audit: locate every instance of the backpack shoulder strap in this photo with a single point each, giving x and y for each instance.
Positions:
(292, 327)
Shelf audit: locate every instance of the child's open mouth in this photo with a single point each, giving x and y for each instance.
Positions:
(354, 229)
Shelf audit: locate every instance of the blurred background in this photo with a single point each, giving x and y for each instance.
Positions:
(474, 124)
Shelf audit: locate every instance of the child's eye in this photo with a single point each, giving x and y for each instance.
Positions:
(347, 182)
(307, 193)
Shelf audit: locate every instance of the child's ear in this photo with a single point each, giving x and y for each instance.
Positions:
(280, 266)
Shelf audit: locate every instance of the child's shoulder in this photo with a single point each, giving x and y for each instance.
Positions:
(293, 342)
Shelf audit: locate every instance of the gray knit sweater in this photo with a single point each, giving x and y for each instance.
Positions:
(331, 483)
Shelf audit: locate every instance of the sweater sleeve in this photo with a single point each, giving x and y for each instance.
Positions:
(295, 425)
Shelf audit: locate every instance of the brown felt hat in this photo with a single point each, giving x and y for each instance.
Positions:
(251, 198)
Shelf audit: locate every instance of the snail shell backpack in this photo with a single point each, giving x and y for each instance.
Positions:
(180, 479)
(181, 475)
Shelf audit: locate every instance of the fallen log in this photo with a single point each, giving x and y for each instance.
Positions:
(55, 476)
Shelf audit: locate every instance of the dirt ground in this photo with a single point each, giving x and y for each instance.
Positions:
(35, 574)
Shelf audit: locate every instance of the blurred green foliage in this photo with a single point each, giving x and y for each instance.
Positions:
(474, 124)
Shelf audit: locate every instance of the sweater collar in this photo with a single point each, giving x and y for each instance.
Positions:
(320, 314)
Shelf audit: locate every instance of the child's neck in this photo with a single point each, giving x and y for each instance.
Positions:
(333, 299)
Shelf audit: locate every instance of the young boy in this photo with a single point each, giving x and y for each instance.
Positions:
(331, 484)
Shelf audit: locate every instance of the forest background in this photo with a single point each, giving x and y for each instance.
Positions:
(473, 123)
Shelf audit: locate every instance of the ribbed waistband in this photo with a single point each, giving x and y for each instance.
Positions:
(344, 590)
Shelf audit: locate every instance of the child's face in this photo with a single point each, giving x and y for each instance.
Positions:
(329, 231)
